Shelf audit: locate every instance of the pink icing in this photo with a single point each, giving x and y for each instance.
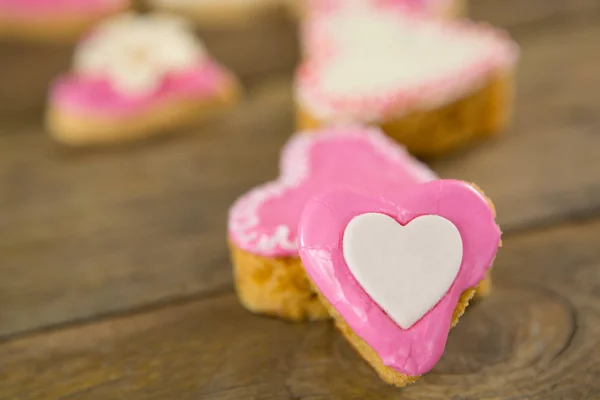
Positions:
(264, 221)
(33, 8)
(416, 350)
(97, 96)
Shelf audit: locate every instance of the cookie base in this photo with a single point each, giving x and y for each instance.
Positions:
(275, 286)
(80, 129)
(279, 287)
(385, 373)
(436, 132)
(54, 29)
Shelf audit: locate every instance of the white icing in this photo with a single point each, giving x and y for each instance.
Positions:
(405, 269)
(134, 52)
(279, 238)
(382, 52)
(377, 53)
(295, 160)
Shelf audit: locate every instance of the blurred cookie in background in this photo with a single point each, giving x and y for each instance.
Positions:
(135, 76)
(433, 85)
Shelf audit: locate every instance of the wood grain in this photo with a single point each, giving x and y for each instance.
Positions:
(103, 231)
(257, 49)
(26, 71)
(537, 337)
(90, 233)
(529, 15)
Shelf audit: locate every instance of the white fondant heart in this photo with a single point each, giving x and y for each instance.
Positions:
(405, 269)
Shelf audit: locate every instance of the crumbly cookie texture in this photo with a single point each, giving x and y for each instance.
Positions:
(387, 374)
(275, 286)
(279, 287)
(77, 129)
(431, 133)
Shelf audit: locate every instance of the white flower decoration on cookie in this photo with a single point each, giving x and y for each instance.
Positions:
(135, 52)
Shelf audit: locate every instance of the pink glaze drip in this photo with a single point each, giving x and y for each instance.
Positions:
(416, 350)
(98, 97)
(33, 8)
(313, 162)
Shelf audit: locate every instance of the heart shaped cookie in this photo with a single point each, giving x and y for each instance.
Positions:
(397, 269)
(134, 76)
(263, 223)
(429, 83)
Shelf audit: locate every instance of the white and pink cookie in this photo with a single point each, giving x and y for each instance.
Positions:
(134, 76)
(219, 13)
(54, 20)
(431, 84)
(263, 234)
(397, 268)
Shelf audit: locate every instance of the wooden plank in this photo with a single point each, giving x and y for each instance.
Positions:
(102, 231)
(255, 49)
(536, 337)
(96, 232)
(524, 15)
(26, 71)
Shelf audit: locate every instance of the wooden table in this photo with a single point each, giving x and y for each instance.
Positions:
(115, 279)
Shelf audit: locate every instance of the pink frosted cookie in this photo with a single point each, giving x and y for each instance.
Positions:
(134, 76)
(431, 84)
(396, 268)
(263, 223)
(54, 19)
